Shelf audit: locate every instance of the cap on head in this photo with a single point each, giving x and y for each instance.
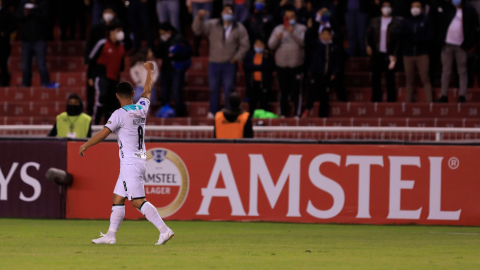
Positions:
(125, 90)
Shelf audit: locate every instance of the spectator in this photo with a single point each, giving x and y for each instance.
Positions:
(233, 123)
(193, 7)
(325, 65)
(33, 16)
(258, 66)
(301, 11)
(259, 24)
(175, 52)
(106, 60)
(138, 12)
(241, 9)
(416, 34)
(138, 73)
(356, 19)
(70, 12)
(73, 123)
(458, 31)
(169, 11)
(109, 17)
(383, 46)
(7, 26)
(228, 45)
(99, 6)
(287, 40)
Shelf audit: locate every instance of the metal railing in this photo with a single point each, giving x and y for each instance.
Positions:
(286, 132)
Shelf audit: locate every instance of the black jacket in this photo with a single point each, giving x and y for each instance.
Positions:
(7, 26)
(373, 35)
(34, 21)
(267, 67)
(445, 15)
(232, 116)
(259, 26)
(416, 35)
(183, 51)
(319, 53)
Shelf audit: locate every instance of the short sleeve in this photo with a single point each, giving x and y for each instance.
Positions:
(114, 122)
(145, 103)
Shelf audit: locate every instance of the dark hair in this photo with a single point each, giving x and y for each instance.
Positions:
(165, 26)
(289, 7)
(140, 56)
(327, 29)
(235, 101)
(74, 96)
(113, 26)
(420, 1)
(125, 90)
(227, 5)
(387, 1)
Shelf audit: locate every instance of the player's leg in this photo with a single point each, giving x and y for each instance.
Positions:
(151, 213)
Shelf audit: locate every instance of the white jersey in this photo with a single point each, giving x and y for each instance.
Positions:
(129, 124)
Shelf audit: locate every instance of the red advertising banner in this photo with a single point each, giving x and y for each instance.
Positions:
(369, 184)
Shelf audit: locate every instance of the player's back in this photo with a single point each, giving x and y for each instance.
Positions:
(129, 124)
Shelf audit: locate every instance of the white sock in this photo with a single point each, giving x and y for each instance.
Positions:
(116, 218)
(151, 213)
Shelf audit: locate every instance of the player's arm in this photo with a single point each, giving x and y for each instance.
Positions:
(147, 89)
(95, 139)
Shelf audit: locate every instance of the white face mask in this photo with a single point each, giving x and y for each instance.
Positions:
(108, 17)
(386, 11)
(165, 37)
(416, 11)
(120, 36)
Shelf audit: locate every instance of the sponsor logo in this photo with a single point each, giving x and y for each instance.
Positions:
(142, 103)
(166, 180)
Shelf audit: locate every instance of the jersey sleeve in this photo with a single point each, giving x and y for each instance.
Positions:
(114, 122)
(145, 104)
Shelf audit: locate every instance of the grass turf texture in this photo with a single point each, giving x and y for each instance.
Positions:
(65, 244)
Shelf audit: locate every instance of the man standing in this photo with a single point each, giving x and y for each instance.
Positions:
(458, 31)
(228, 45)
(287, 40)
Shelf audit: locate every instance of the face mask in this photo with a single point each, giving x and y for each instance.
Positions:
(292, 21)
(108, 17)
(456, 2)
(326, 43)
(259, 6)
(73, 110)
(259, 50)
(165, 37)
(120, 36)
(227, 17)
(386, 11)
(416, 11)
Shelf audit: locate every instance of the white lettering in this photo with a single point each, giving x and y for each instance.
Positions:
(364, 163)
(324, 183)
(4, 182)
(396, 186)
(34, 183)
(222, 166)
(435, 211)
(291, 170)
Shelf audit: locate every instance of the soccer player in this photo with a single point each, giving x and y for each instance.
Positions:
(129, 124)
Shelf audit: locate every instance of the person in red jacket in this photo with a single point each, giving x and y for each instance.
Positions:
(106, 61)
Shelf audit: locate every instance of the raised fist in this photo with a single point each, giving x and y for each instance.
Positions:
(149, 66)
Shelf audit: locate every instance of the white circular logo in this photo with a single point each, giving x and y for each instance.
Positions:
(166, 180)
(453, 163)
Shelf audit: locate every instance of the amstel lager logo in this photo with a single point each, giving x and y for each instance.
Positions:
(166, 180)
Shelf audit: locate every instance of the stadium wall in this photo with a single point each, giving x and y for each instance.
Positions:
(311, 183)
(24, 190)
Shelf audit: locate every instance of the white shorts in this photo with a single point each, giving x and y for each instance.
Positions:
(130, 181)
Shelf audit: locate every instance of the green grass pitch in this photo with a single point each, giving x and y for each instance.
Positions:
(66, 244)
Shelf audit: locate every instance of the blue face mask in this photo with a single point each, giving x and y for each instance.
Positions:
(456, 2)
(259, 6)
(292, 21)
(259, 50)
(227, 17)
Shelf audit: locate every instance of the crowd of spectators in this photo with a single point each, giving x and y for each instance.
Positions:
(306, 43)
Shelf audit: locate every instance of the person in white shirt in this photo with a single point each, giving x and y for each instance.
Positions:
(138, 74)
(458, 32)
(129, 124)
(383, 46)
